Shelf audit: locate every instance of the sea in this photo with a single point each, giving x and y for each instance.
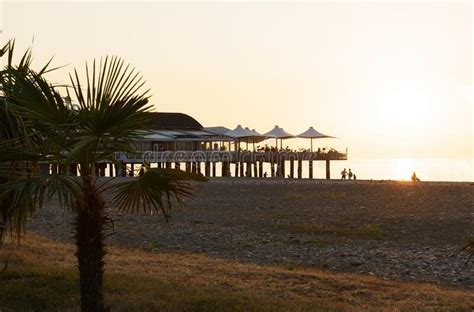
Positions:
(426, 169)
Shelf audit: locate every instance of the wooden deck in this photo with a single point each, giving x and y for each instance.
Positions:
(226, 156)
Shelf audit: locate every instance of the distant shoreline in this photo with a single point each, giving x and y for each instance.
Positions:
(270, 180)
(305, 180)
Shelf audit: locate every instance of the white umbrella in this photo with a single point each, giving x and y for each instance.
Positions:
(311, 133)
(278, 133)
(239, 133)
(256, 137)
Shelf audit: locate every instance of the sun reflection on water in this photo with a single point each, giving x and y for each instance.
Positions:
(405, 168)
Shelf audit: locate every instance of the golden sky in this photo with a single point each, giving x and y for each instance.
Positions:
(390, 78)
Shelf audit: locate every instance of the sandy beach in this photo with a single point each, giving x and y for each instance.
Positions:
(396, 230)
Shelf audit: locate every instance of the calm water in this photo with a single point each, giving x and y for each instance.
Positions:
(442, 169)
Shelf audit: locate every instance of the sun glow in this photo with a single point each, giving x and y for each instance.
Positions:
(405, 168)
(406, 108)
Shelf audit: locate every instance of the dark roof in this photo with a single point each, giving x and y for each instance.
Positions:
(217, 130)
(176, 121)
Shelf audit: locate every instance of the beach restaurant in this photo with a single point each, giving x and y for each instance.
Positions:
(180, 141)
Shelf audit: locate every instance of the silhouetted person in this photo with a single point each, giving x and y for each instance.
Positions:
(343, 174)
(350, 174)
(414, 178)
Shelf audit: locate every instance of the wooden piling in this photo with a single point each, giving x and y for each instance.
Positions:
(279, 169)
(248, 169)
(132, 169)
(328, 170)
(118, 170)
(225, 169)
(248, 165)
(207, 169)
(300, 168)
(73, 169)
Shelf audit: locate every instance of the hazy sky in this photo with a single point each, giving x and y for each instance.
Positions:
(390, 78)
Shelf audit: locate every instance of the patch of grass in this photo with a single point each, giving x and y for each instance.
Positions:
(371, 231)
(151, 294)
(294, 196)
(157, 245)
(43, 277)
(329, 195)
(290, 265)
(306, 228)
(324, 263)
(315, 242)
(365, 231)
(245, 243)
(29, 287)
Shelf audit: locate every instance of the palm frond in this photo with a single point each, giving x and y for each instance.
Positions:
(20, 197)
(113, 111)
(469, 248)
(154, 190)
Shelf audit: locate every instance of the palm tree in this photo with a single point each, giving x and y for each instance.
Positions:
(14, 131)
(112, 112)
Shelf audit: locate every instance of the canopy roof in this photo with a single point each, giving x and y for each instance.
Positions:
(278, 133)
(239, 132)
(159, 137)
(182, 127)
(256, 136)
(311, 133)
(175, 121)
(217, 130)
(180, 135)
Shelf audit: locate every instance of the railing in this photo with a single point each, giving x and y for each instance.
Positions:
(226, 156)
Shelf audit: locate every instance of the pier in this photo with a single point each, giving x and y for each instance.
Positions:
(231, 164)
(180, 142)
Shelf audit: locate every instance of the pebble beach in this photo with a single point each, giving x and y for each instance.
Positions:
(400, 231)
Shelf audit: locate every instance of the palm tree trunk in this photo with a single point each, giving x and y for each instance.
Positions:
(90, 249)
(3, 216)
(2, 231)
